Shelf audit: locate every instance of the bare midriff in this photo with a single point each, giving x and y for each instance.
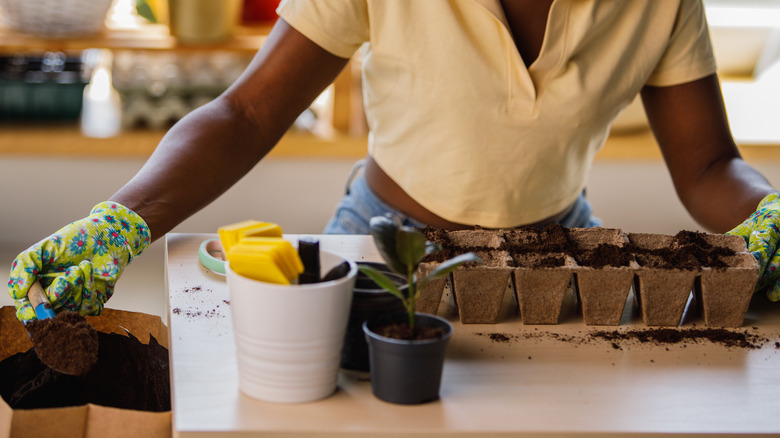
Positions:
(393, 195)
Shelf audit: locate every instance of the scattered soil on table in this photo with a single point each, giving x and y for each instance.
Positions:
(214, 312)
(743, 339)
(662, 336)
(498, 337)
(65, 342)
(192, 313)
(128, 375)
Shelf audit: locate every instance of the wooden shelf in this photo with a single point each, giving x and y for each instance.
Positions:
(67, 141)
(143, 37)
(59, 140)
(641, 145)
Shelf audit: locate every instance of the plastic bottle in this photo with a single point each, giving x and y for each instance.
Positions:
(101, 111)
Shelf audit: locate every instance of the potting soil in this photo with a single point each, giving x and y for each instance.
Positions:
(66, 342)
(127, 374)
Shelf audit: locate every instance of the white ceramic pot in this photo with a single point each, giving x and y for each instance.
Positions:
(289, 337)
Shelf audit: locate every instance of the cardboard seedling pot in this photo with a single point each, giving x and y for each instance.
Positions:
(431, 292)
(663, 278)
(479, 290)
(475, 238)
(590, 238)
(479, 293)
(734, 243)
(650, 240)
(89, 420)
(603, 293)
(724, 294)
(663, 294)
(540, 293)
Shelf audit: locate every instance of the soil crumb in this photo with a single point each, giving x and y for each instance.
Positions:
(401, 331)
(67, 342)
(662, 336)
(498, 337)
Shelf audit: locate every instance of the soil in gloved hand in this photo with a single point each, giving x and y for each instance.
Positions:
(128, 374)
(67, 343)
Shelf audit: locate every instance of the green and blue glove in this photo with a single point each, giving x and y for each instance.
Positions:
(79, 265)
(762, 234)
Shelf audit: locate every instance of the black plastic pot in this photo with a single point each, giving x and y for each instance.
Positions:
(368, 301)
(402, 371)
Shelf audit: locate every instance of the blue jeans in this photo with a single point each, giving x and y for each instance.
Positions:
(360, 204)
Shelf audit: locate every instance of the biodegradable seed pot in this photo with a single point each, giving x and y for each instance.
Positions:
(407, 371)
(368, 300)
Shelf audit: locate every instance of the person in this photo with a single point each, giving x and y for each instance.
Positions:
(481, 112)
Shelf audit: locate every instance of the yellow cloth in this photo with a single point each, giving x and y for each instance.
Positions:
(460, 123)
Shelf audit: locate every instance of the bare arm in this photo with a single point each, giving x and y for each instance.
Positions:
(689, 122)
(210, 149)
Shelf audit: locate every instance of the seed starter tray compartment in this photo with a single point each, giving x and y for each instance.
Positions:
(600, 266)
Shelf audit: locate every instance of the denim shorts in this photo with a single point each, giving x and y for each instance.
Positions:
(360, 204)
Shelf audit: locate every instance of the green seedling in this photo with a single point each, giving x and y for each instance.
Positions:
(403, 249)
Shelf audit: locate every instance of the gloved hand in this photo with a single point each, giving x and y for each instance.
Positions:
(762, 233)
(78, 266)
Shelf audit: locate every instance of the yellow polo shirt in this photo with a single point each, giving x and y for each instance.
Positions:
(460, 123)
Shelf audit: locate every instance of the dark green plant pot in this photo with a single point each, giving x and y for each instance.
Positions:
(368, 301)
(406, 372)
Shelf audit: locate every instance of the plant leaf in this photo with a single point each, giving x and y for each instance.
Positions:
(431, 248)
(144, 10)
(449, 266)
(384, 230)
(382, 281)
(410, 244)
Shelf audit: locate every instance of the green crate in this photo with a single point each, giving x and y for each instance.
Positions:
(49, 100)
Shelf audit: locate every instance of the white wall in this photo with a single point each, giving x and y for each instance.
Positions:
(42, 194)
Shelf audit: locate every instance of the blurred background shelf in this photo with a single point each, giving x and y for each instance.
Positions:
(67, 141)
(162, 74)
(746, 37)
(64, 140)
(143, 37)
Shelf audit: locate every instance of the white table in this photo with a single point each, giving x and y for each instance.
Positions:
(528, 385)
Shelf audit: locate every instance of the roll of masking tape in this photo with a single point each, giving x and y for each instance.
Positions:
(207, 252)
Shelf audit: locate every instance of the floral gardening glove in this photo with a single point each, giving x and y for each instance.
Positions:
(762, 234)
(78, 266)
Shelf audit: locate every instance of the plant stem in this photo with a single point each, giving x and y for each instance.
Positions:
(411, 305)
